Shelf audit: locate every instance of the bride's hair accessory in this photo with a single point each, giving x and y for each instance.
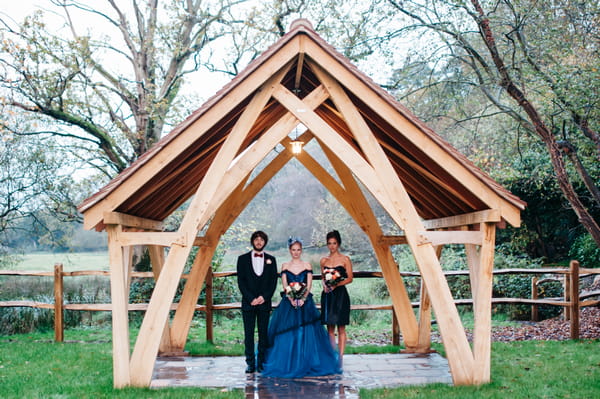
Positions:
(292, 240)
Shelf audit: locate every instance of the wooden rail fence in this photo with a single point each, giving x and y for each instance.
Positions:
(573, 300)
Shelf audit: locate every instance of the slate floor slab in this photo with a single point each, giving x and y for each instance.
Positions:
(360, 371)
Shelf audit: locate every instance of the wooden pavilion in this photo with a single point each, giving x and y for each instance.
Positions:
(432, 192)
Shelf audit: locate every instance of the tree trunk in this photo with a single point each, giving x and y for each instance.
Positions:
(540, 127)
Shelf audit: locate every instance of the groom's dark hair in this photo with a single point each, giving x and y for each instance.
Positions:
(260, 234)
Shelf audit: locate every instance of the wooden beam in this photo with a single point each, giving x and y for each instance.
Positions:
(259, 150)
(120, 300)
(157, 259)
(450, 237)
(146, 347)
(194, 128)
(396, 287)
(187, 304)
(331, 139)
(238, 174)
(482, 307)
(403, 124)
(489, 215)
(355, 203)
(424, 345)
(460, 357)
(299, 65)
(437, 238)
(132, 221)
(224, 217)
(165, 239)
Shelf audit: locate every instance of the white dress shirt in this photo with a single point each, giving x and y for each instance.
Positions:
(258, 262)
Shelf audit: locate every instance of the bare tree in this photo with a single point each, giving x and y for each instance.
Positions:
(541, 83)
(113, 85)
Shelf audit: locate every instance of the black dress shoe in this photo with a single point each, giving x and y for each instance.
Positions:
(260, 369)
(250, 370)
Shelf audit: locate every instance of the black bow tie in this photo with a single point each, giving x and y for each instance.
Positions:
(258, 255)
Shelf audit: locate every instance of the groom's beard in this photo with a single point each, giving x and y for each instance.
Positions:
(258, 249)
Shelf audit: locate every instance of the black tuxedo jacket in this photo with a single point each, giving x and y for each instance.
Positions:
(251, 285)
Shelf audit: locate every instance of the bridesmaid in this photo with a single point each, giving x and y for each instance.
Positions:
(335, 301)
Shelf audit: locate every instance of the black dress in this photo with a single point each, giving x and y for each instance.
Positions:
(335, 305)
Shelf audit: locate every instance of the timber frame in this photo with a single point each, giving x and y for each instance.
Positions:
(432, 192)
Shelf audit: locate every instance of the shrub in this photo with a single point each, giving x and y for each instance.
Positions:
(519, 286)
(586, 251)
(25, 320)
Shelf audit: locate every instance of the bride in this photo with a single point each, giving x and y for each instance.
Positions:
(299, 345)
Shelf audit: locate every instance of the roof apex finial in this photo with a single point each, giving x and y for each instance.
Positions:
(301, 22)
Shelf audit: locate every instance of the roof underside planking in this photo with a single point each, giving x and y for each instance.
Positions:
(165, 183)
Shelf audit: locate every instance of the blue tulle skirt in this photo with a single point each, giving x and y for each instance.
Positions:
(299, 344)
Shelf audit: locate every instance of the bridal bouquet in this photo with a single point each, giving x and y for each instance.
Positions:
(295, 291)
(333, 276)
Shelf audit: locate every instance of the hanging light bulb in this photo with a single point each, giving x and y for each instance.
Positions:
(297, 146)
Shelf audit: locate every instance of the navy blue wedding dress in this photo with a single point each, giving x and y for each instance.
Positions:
(298, 344)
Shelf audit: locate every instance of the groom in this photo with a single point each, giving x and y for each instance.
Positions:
(257, 280)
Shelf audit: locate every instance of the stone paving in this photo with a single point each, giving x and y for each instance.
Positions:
(360, 371)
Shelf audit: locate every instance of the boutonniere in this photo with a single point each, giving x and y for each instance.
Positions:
(268, 261)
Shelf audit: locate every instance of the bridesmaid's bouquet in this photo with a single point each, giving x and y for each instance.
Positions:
(295, 291)
(333, 276)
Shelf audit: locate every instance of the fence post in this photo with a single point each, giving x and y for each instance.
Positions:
(59, 328)
(534, 296)
(567, 291)
(209, 305)
(574, 293)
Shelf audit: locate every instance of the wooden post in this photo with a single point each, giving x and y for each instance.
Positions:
(567, 295)
(119, 293)
(534, 296)
(59, 328)
(395, 329)
(209, 305)
(482, 308)
(574, 293)
(425, 316)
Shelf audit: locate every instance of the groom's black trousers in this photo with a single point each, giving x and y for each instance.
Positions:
(257, 316)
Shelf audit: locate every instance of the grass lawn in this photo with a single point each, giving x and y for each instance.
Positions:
(45, 261)
(33, 366)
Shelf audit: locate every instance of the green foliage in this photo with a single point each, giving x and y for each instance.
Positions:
(549, 228)
(25, 320)
(82, 289)
(519, 286)
(8, 260)
(586, 251)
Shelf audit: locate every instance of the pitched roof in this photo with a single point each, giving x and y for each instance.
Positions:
(440, 180)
